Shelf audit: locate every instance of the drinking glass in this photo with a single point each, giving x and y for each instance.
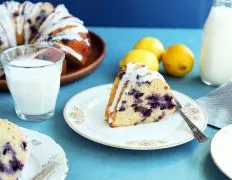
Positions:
(33, 78)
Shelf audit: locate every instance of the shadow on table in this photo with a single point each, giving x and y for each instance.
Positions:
(211, 171)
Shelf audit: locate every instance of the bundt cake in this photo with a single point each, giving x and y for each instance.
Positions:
(138, 96)
(13, 150)
(41, 23)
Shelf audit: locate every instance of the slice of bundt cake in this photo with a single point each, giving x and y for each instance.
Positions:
(13, 150)
(138, 96)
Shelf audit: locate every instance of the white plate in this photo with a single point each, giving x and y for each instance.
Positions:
(43, 150)
(221, 148)
(84, 113)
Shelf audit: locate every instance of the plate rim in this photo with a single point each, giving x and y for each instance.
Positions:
(130, 147)
(55, 143)
(211, 151)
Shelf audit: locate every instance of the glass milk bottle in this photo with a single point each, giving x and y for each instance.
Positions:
(216, 50)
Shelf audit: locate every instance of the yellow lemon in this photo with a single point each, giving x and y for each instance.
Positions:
(141, 56)
(178, 60)
(151, 44)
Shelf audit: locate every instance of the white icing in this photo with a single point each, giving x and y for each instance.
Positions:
(12, 6)
(59, 19)
(3, 38)
(62, 47)
(66, 36)
(70, 51)
(70, 21)
(34, 12)
(27, 33)
(87, 42)
(28, 7)
(20, 20)
(59, 13)
(16, 7)
(8, 24)
(130, 77)
(110, 120)
(69, 34)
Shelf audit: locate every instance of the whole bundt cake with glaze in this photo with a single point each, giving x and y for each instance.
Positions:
(42, 23)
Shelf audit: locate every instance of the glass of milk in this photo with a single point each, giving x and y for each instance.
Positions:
(33, 77)
(216, 51)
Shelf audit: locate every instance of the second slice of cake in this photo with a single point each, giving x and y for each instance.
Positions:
(139, 95)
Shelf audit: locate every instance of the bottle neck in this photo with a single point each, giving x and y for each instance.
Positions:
(226, 3)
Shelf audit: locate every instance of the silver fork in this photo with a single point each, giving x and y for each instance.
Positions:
(46, 171)
(198, 134)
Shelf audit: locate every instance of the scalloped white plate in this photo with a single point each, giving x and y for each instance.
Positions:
(84, 113)
(43, 150)
(221, 148)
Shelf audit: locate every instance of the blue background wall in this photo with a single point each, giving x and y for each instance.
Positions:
(139, 13)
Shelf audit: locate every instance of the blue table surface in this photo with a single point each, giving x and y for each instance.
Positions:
(89, 160)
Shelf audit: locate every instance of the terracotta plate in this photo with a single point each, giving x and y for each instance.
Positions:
(98, 49)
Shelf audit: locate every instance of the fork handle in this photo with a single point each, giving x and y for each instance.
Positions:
(196, 132)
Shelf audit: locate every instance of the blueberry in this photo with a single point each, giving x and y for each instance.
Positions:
(49, 38)
(132, 92)
(171, 106)
(122, 108)
(162, 106)
(65, 41)
(15, 164)
(29, 21)
(23, 145)
(121, 74)
(153, 98)
(143, 110)
(1, 166)
(124, 102)
(167, 97)
(38, 18)
(7, 149)
(137, 101)
(16, 14)
(136, 94)
(33, 29)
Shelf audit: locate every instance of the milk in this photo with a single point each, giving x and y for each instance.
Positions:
(34, 90)
(216, 51)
